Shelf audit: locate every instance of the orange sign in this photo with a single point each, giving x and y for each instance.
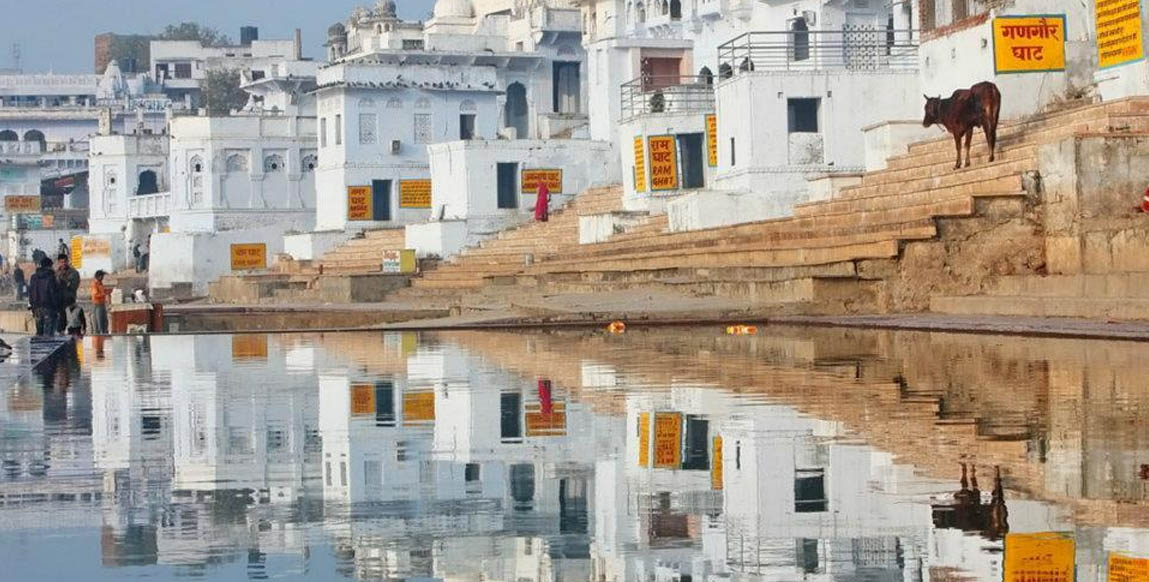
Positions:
(644, 439)
(415, 194)
(77, 258)
(639, 165)
(712, 140)
(362, 399)
(716, 465)
(539, 423)
(663, 163)
(96, 247)
(1048, 557)
(359, 203)
(1120, 38)
(552, 178)
(418, 406)
(667, 440)
(22, 204)
(249, 347)
(1127, 569)
(248, 256)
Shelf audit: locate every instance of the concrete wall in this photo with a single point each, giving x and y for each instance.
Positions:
(1128, 79)
(893, 138)
(200, 258)
(20, 244)
(308, 246)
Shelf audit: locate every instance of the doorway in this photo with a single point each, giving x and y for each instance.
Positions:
(507, 177)
(566, 87)
(516, 109)
(381, 199)
(692, 160)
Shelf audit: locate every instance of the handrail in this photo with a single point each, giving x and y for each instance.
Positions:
(854, 48)
(667, 94)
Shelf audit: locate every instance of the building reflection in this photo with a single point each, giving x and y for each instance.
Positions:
(550, 458)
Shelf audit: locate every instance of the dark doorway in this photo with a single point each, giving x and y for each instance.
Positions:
(384, 404)
(148, 183)
(510, 423)
(523, 485)
(508, 178)
(800, 43)
(572, 506)
(566, 87)
(692, 162)
(381, 199)
(516, 109)
(696, 457)
(467, 126)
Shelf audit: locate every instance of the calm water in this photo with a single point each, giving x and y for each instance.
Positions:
(655, 456)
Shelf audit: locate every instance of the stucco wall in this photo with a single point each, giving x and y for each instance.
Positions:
(200, 258)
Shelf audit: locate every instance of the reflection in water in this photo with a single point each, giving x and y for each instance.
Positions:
(664, 456)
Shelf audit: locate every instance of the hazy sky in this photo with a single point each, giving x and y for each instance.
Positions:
(57, 35)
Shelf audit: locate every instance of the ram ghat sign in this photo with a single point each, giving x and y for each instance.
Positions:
(1029, 44)
(663, 162)
(359, 203)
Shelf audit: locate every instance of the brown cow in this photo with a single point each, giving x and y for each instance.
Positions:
(978, 106)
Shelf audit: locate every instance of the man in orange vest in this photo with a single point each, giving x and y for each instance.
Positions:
(100, 294)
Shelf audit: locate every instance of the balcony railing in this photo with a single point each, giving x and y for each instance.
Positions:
(861, 48)
(150, 205)
(667, 94)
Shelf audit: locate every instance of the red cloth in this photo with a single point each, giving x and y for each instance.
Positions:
(545, 401)
(542, 203)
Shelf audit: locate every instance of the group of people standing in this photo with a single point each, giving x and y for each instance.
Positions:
(52, 298)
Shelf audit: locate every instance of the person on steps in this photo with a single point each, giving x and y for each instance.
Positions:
(18, 280)
(68, 280)
(100, 293)
(542, 213)
(44, 298)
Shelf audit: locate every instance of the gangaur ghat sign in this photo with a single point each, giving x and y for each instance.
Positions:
(1029, 44)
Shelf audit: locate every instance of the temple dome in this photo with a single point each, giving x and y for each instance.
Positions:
(385, 9)
(454, 9)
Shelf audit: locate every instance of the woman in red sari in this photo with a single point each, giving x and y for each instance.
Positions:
(543, 201)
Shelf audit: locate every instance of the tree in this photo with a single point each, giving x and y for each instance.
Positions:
(206, 35)
(221, 91)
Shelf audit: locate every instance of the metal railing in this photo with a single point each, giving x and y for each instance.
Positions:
(150, 205)
(854, 48)
(667, 94)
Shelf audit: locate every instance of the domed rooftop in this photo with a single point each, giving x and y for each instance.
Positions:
(454, 9)
(385, 8)
(336, 29)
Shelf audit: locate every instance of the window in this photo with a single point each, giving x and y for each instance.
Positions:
(733, 157)
(150, 427)
(471, 472)
(810, 491)
(162, 71)
(276, 439)
(799, 40)
(147, 183)
(467, 126)
(675, 9)
(322, 132)
(338, 129)
(807, 551)
(196, 165)
(257, 75)
(413, 44)
(566, 87)
(928, 15)
(523, 485)
(366, 128)
(507, 175)
(183, 70)
(510, 425)
(696, 455)
(423, 128)
(802, 115)
(384, 404)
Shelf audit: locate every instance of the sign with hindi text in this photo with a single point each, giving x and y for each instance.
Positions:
(644, 439)
(22, 204)
(1128, 569)
(663, 162)
(77, 252)
(1039, 556)
(96, 247)
(415, 193)
(1120, 37)
(712, 140)
(1029, 44)
(540, 423)
(251, 346)
(248, 256)
(716, 465)
(639, 165)
(553, 178)
(400, 262)
(362, 399)
(418, 407)
(359, 206)
(668, 440)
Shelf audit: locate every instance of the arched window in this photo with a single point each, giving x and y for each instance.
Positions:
(273, 163)
(799, 40)
(310, 162)
(196, 165)
(236, 163)
(665, 7)
(394, 103)
(515, 112)
(676, 9)
(640, 12)
(147, 183)
(34, 135)
(706, 76)
(9, 135)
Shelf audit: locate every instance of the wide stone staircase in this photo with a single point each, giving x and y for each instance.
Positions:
(362, 254)
(916, 230)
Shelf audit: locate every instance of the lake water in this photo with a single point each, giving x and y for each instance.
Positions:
(665, 455)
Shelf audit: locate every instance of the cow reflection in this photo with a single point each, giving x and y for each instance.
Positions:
(967, 513)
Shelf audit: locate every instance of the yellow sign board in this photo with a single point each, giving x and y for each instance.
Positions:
(716, 465)
(22, 204)
(712, 140)
(667, 440)
(359, 203)
(77, 258)
(1029, 44)
(249, 347)
(415, 194)
(1048, 557)
(539, 423)
(552, 178)
(401, 261)
(639, 165)
(644, 439)
(663, 162)
(362, 399)
(418, 406)
(248, 256)
(96, 247)
(1128, 569)
(1120, 38)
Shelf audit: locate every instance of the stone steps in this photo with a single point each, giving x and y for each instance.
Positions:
(998, 176)
(1103, 308)
(1117, 285)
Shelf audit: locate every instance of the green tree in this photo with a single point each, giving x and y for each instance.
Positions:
(206, 35)
(221, 91)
